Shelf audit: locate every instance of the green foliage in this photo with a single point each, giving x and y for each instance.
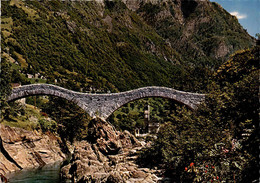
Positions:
(71, 42)
(8, 75)
(26, 117)
(131, 116)
(257, 35)
(214, 135)
(5, 87)
(37, 101)
(48, 125)
(11, 111)
(66, 47)
(72, 121)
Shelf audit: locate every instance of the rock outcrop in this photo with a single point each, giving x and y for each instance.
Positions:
(106, 156)
(21, 149)
(183, 23)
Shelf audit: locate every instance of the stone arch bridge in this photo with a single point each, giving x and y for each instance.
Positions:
(103, 105)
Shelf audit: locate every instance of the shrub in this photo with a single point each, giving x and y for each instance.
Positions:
(48, 125)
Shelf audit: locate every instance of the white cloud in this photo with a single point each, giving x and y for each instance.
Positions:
(238, 15)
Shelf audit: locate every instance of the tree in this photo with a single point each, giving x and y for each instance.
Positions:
(5, 86)
(257, 35)
(72, 121)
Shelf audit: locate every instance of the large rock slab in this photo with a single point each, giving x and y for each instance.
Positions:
(21, 149)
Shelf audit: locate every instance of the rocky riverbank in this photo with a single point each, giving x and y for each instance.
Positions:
(107, 156)
(22, 149)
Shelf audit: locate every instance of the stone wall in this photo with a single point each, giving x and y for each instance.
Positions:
(103, 105)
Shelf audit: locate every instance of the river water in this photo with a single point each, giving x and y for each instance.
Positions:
(46, 174)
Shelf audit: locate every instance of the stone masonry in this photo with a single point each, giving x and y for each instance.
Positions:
(103, 105)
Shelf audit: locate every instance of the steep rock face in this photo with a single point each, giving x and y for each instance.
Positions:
(199, 28)
(108, 140)
(107, 158)
(27, 149)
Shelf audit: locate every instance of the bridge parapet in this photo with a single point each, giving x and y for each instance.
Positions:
(103, 105)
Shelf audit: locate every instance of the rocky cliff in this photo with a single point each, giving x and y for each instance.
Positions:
(107, 156)
(21, 149)
(203, 29)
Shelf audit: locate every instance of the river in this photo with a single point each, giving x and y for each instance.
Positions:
(46, 174)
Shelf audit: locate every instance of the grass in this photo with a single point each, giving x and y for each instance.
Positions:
(21, 60)
(28, 121)
(6, 24)
(6, 34)
(32, 14)
(36, 80)
(10, 59)
(13, 65)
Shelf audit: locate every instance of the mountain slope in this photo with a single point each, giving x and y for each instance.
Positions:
(109, 45)
(204, 30)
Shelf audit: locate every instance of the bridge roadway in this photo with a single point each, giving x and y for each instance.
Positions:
(103, 105)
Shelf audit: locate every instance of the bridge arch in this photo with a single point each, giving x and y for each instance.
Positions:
(44, 89)
(191, 100)
(103, 105)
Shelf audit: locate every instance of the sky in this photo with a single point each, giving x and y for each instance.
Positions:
(246, 11)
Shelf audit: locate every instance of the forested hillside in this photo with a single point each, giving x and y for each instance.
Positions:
(118, 45)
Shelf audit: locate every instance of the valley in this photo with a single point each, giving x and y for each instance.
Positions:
(127, 91)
